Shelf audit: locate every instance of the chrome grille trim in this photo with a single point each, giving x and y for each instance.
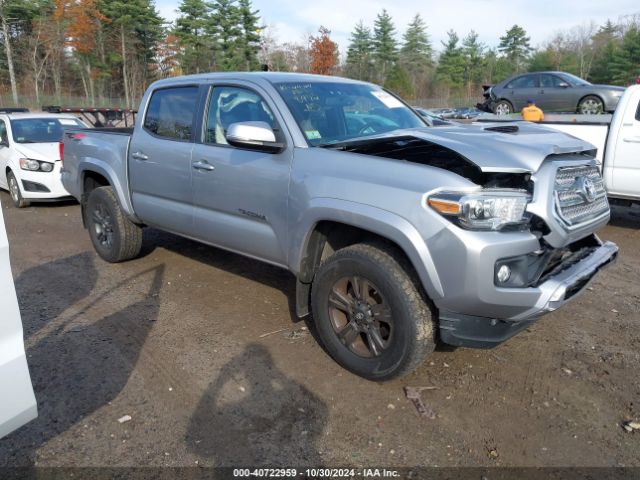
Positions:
(572, 189)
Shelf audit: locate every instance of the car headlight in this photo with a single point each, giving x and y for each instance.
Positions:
(35, 165)
(483, 210)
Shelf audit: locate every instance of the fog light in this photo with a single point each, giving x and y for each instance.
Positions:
(504, 273)
(46, 166)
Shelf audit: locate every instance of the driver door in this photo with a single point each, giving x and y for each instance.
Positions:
(240, 196)
(17, 401)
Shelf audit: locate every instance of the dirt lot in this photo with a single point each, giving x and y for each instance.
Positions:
(176, 339)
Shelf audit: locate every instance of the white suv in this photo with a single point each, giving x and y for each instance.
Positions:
(30, 155)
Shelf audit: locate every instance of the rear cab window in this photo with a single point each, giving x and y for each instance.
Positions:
(171, 113)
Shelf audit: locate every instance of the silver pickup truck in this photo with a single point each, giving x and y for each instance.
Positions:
(398, 233)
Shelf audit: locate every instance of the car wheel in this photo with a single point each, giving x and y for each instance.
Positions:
(370, 313)
(503, 107)
(113, 235)
(591, 105)
(14, 190)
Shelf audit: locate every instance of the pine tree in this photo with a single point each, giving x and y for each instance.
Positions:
(385, 44)
(514, 45)
(194, 40)
(625, 65)
(399, 82)
(360, 52)
(224, 26)
(249, 42)
(416, 54)
(138, 28)
(451, 65)
(474, 64)
(606, 42)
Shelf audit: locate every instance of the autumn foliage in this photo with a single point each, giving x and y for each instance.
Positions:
(323, 52)
(81, 20)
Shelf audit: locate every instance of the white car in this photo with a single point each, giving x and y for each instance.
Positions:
(17, 401)
(30, 155)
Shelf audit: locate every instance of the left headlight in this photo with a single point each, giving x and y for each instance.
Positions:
(483, 210)
(35, 165)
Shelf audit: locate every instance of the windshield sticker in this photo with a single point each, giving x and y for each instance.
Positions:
(312, 134)
(67, 121)
(389, 100)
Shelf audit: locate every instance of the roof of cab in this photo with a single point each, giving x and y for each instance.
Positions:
(37, 115)
(271, 77)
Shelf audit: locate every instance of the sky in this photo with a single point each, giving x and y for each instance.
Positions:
(292, 19)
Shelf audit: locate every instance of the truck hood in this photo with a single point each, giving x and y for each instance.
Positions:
(512, 147)
(48, 152)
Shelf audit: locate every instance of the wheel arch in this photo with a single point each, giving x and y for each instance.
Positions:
(332, 229)
(591, 95)
(502, 99)
(94, 174)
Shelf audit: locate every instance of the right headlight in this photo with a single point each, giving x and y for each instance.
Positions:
(35, 165)
(483, 210)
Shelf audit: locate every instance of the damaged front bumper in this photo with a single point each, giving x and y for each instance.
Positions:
(556, 290)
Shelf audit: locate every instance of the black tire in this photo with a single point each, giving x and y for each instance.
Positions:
(503, 107)
(591, 105)
(14, 191)
(113, 235)
(393, 294)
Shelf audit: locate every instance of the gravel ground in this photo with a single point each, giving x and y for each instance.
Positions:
(201, 349)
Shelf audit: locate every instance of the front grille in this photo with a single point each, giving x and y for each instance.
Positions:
(579, 194)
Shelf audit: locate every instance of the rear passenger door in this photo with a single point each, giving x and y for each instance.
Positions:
(160, 159)
(240, 196)
(522, 89)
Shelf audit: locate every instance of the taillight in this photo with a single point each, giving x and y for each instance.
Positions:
(61, 150)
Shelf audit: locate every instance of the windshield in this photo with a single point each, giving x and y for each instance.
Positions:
(575, 81)
(329, 112)
(41, 130)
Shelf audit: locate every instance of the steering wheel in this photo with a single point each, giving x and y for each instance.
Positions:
(367, 129)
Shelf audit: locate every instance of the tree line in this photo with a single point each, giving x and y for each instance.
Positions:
(106, 52)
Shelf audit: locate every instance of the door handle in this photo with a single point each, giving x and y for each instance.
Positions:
(632, 139)
(203, 165)
(139, 156)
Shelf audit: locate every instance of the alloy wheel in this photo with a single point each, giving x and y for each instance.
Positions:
(360, 316)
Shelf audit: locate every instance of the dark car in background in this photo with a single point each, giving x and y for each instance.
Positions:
(552, 91)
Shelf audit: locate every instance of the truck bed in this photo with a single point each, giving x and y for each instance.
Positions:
(99, 146)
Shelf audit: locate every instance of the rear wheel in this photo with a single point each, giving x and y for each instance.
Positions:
(113, 235)
(591, 105)
(503, 107)
(369, 312)
(14, 190)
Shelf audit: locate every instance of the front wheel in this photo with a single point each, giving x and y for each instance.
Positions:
(113, 235)
(369, 312)
(14, 190)
(503, 107)
(591, 105)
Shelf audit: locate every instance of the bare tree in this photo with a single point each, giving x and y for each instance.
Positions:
(4, 21)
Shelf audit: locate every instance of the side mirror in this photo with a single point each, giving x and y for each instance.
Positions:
(563, 85)
(253, 136)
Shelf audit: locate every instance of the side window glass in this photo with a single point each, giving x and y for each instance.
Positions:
(170, 112)
(526, 81)
(233, 105)
(638, 112)
(3, 131)
(547, 81)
